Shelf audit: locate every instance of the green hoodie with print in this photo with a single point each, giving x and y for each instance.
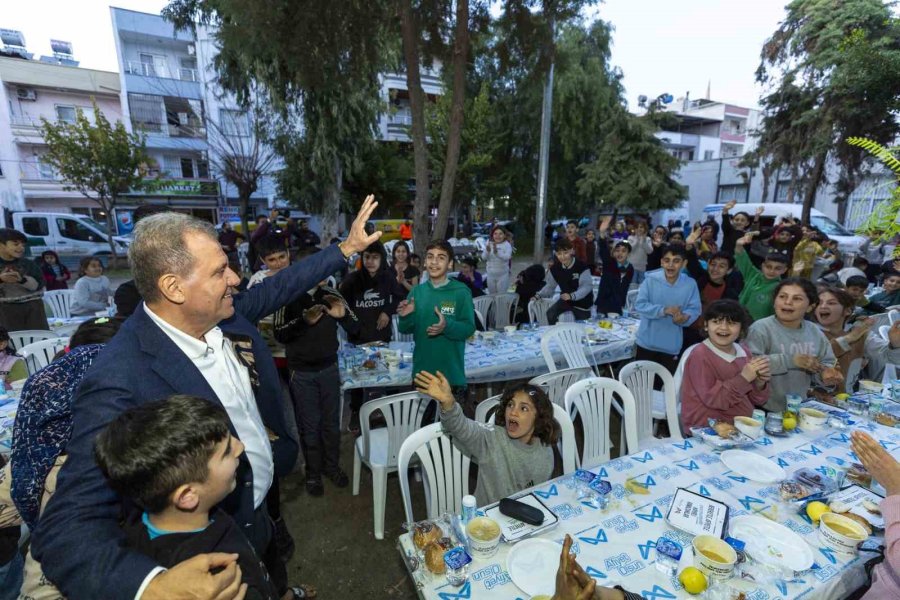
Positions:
(445, 352)
(756, 296)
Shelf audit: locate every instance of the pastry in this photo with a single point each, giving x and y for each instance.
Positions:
(839, 507)
(725, 430)
(886, 419)
(434, 555)
(425, 533)
(791, 490)
(369, 364)
(871, 507)
(858, 474)
(861, 520)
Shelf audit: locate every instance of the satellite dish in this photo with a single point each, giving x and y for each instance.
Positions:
(642, 100)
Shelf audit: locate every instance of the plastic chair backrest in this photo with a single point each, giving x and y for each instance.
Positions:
(504, 308)
(639, 377)
(679, 375)
(445, 471)
(40, 354)
(484, 410)
(568, 449)
(592, 399)
(557, 382)
(883, 332)
(483, 304)
(395, 331)
(893, 316)
(570, 340)
(20, 339)
(403, 415)
(60, 302)
(537, 311)
(630, 299)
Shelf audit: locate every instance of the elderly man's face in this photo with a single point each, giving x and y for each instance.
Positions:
(207, 293)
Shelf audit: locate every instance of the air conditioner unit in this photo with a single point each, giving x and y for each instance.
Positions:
(26, 94)
(191, 49)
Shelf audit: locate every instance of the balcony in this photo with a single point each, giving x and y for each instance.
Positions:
(25, 121)
(133, 67)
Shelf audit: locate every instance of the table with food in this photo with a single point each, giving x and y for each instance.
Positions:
(774, 506)
(490, 355)
(9, 404)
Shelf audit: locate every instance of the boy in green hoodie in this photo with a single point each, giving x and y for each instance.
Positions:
(759, 285)
(440, 315)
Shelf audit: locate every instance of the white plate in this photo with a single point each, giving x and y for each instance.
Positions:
(771, 543)
(532, 566)
(753, 466)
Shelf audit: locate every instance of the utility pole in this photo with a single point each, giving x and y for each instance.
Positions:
(543, 164)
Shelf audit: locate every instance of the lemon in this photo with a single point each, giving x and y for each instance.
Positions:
(815, 510)
(693, 580)
(789, 423)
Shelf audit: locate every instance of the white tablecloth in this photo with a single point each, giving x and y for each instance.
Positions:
(616, 545)
(506, 358)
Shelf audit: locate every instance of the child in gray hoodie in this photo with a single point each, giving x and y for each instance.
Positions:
(513, 453)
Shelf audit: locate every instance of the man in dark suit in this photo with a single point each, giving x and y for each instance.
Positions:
(190, 336)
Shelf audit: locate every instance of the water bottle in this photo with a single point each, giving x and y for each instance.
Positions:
(469, 509)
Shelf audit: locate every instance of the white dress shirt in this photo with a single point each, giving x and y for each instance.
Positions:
(229, 379)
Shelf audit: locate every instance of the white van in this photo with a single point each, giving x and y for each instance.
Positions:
(71, 236)
(848, 242)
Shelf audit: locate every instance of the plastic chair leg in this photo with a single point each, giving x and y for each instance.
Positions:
(357, 467)
(379, 493)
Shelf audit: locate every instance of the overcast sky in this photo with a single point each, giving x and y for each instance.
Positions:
(662, 46)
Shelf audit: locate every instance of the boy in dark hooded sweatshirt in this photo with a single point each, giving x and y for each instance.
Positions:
(529, 282)
(617, 272)
(372, 292)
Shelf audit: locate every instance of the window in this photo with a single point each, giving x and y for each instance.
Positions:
(146, 112)
(732, 192)
(65, 113)
(153, 66)
(202, 169)
(73, 230)
(35, 226)
(708, 155)
(234, 122)
(187, 168)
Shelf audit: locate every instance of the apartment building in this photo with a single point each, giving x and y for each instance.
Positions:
(31, 90)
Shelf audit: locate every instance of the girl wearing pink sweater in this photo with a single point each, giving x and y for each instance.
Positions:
(721, 379)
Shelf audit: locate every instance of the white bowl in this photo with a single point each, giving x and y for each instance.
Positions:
(812, 419)
(749, 427)
(839, 540)
(510, 329)
(866, 385)
(488, 335)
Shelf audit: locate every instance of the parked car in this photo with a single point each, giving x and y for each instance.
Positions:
(71, 236)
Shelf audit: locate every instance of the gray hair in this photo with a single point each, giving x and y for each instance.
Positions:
(159, 247)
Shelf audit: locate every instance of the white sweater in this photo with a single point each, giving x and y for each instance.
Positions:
(498, 261)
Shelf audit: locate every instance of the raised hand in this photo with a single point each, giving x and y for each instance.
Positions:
(358, 240)
(435, 386)
(747, 238)
(692, 239)
(860, 330)
(877, 461)
(760, 210)
(604, 225)
(336, 308)
(312, 314)
(437, 328)
(731, 204)
(568, 585)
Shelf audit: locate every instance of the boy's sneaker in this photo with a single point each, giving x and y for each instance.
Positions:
(339, 478)
(314, 487)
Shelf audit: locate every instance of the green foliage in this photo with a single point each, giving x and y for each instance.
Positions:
(882, 225)
(885, 155)
(832, 69)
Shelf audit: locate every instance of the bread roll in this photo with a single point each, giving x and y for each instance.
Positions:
(425, 533)
(434, 555)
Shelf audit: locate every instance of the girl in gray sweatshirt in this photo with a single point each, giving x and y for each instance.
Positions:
(797, 348)
(92, 288)
(513, 453)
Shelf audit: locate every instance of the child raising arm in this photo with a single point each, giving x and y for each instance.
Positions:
(515, 455)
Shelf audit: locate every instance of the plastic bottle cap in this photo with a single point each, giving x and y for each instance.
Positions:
(469, 501)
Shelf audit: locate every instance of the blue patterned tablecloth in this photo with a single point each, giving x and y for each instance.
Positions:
(506, 358)
(616, 545)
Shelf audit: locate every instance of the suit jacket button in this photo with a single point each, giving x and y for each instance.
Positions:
(248, 484)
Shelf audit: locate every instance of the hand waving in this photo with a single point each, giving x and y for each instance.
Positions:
(358, 240)
(435, 386)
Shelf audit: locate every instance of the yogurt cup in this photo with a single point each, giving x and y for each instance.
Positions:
(840, 533)
(714, 557)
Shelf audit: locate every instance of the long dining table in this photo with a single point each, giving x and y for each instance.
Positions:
(616, 545)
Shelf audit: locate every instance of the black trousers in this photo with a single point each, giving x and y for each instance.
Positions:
(317, 405)
(669, 361)
(561, 306)
(261, 534)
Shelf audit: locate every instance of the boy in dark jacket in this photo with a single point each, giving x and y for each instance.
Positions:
(308, 329)
(617, 272)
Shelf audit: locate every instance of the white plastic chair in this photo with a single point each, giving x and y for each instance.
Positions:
(893, 316)
(651, 405)
(38, 355)
(20, 339)
(537, 311)
(482, 305)
(445, 471)
(592, 399)
(483, 412)
(395, 331)
(570, 339)
(503, 309)
(630, 299)
(378, 448)
(568, 449)
(883, 331)
(60, 302)
(557, 382)
(389, 248)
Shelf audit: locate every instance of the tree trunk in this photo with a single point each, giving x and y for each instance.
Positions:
(766, 175)
(813, 185)
(332, 206)
(410, 35)
(111, 227)
(244, 203)
(454, 134)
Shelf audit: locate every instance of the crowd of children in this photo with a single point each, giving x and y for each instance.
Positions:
(742, 319)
